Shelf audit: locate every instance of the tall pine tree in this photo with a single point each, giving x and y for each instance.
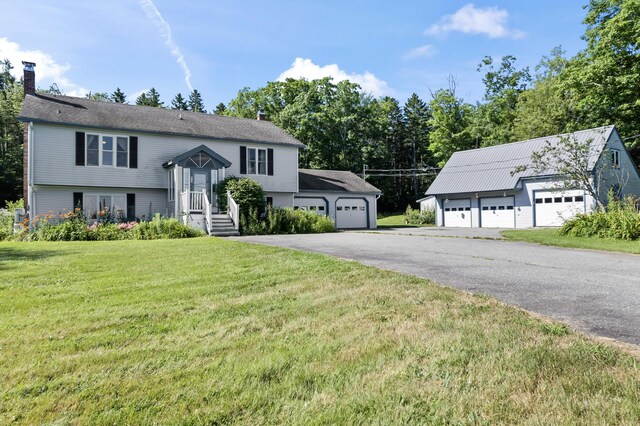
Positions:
(195, 102)
(179, 102)
(119, 97)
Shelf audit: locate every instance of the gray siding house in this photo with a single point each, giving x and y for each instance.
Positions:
(137, 161)
(476, 188)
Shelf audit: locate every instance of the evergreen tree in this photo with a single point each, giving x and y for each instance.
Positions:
(150, 98)
(179, 103)
(221, 109)
(11, 97)
(416, 118)
(118, 96)
(195, 102)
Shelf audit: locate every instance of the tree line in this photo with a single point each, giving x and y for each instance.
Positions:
(403, 145)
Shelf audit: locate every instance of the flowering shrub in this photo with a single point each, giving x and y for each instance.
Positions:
(75, 226)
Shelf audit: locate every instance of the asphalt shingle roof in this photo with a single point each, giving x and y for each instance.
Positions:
(489, 169)
(134, 118)
(333, 180)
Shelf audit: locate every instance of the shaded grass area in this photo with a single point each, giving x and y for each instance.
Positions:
(395, 221)
(213, 331)
(550, 237)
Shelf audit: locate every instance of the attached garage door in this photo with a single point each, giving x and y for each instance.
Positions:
(497, 212)
(553, 208)
(351, 213)
(317, 205)
(457, 213)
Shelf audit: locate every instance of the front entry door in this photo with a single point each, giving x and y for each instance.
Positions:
(200, 179)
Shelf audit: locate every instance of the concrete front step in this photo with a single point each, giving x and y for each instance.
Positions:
(226, 233)
(222, 226)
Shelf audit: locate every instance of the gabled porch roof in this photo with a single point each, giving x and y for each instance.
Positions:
(199, 149)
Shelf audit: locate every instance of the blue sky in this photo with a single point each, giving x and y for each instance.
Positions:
(218, 47)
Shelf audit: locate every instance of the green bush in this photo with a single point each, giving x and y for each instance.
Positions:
(417, 217)
(284, 221)
(6, 219)
(221, 191)
(620, 221)
(247, 193)
(163, 228)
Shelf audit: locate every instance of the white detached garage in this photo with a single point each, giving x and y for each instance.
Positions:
(478, 187)
(350, 201)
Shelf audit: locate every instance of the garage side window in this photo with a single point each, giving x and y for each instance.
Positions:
(615, 158)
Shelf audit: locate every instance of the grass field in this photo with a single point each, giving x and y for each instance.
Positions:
(208, 331)
(550, 237)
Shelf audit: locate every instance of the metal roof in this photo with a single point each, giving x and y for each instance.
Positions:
(333, 181)
(489, 169)
(68, 110)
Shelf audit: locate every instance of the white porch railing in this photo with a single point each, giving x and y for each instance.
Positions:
(196, 204)
(233, 209)
(207, 211)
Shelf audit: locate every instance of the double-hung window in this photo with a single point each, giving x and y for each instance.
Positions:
(107, 150)
(98, 206)
(256, 161)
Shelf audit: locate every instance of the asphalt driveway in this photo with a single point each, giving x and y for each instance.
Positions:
(596, 292)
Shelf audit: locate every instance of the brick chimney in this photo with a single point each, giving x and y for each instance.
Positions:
(29, 78)
(262, 116)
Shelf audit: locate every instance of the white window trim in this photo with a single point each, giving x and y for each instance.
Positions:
(114, 150)
(97, 197)
(170, 185)
(615, 158)
(266, 161)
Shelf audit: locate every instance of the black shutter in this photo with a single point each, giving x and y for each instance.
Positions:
(269, 201)
(131, 206)
(133, 152)
(243, 160)
(270, 162)
(77, 201)
(79, 148)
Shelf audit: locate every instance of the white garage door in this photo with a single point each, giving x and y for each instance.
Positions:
(497, 212)
(351, 213)
(316, 205)
(457, 213)
(553, 208)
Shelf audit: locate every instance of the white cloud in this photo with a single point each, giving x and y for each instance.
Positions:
(165, 31)
(48, 71)
(305, 68)
(490, 21)
(425, 51)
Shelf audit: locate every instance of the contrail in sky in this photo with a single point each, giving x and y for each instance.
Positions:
(165, 31)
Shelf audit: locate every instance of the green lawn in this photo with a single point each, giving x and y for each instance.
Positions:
(550, 237)
(207, 331)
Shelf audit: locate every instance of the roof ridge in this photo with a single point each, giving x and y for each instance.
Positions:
(179, 111)
(534, 139)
